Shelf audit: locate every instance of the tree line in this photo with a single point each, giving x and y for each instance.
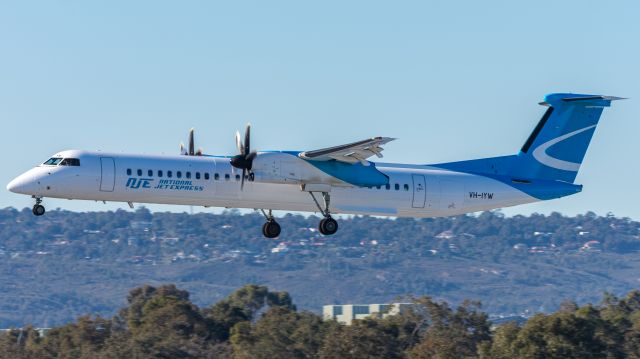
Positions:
(255, 322)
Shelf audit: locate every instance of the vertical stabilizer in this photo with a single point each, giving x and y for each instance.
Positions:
(558, 144)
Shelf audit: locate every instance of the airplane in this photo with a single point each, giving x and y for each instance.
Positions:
(334, 180)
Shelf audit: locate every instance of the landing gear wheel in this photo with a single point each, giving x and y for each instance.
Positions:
(271, 229)
(328, 226)
(38, 210)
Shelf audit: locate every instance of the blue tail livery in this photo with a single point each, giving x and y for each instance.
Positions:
(556, 148)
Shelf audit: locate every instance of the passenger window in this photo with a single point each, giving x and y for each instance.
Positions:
(188, 174)
(216, 176)
(378, 187)
(169, 174)
(237, 177)
(406, 187)
(226, 177)
(179, 174)
(128, 171)
(397, 187)
(387, 186)
(150, 173)
(206, 176)
(139, 172)
(197, 175)
(159, 173)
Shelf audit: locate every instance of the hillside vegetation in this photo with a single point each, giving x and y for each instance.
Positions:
(64, 264)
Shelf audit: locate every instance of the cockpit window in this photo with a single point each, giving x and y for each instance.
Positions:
(52, 161)
(70, 162)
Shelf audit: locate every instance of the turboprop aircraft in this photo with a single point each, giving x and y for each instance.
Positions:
(332, 180)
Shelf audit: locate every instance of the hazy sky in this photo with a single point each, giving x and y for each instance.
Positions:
(451, 80)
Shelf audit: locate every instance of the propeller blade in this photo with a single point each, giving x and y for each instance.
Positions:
(191, 143)
(250, 157)
(243, 160)
(239, 143)
(247, 140)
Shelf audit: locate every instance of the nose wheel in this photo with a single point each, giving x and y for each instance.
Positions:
(38, 208)
(271, 228)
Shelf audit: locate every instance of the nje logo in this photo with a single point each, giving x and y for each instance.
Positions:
(139, 182)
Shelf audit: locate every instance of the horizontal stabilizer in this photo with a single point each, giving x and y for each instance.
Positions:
(588, 98)
(598, 100)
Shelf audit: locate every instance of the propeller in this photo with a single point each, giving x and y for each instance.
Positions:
(191, 150)
(244, 160)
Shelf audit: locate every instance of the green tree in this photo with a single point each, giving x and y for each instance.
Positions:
(451, 334)
(20, 343)
(242, 305)
(367, 338)
(501, 345)
(280, 333)
(560, 335)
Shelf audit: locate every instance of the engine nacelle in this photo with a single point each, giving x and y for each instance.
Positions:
(287, 168)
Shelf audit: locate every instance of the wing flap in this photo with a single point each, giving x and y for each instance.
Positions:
(350, 153)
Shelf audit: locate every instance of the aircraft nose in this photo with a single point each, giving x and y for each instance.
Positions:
(22, 184)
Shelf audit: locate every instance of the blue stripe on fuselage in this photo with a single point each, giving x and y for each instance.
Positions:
(356, 174)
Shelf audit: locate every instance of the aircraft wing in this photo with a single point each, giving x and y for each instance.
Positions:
(349, 153)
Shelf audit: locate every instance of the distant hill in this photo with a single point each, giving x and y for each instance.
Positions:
(64, 264)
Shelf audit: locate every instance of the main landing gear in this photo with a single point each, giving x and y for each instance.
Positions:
(271, 228)
(328, 225)
(38, 208)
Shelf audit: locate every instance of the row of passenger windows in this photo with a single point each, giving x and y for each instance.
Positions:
(227, 177)
(179, 174)
(161, 173)
(395, 186)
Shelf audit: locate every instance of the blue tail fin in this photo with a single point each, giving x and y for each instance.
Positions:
(555, 149)
(557, 145)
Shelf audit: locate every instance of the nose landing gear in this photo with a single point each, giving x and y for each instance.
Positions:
(38, 208)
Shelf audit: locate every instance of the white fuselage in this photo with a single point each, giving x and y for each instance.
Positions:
(413, 191)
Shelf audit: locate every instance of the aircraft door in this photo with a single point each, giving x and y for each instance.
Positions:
(108, 174)
(419, 191)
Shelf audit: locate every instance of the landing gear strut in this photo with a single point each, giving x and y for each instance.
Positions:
(38, 209)
(271, 228)
(328, 225)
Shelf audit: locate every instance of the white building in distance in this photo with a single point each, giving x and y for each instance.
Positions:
(346, 313)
